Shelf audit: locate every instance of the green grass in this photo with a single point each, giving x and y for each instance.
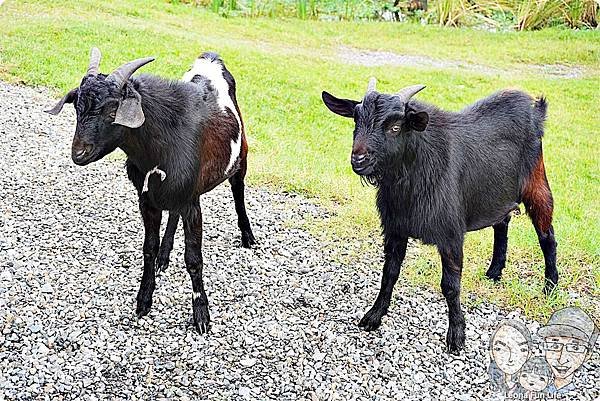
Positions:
(297, 145)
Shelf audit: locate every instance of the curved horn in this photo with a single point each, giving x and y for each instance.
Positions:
(94, 61)
(408, 92)
(372, 84)
(122, 74)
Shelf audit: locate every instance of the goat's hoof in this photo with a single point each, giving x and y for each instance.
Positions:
(248, 239)
(494, 272)
(493, 275)
(549, 287)
(371, 320)
(162, 261)
(143, 308)
(455, 339)
(202, 319)
(162, 264)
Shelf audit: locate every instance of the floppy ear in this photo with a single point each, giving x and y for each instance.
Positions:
(343, 107)
(68, 98)
(129, 113)
(417, 121)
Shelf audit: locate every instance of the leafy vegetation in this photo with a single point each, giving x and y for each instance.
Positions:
(297, 145)
(493, 14)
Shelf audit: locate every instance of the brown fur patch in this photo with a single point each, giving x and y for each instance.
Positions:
(538, 198)
(215, 148)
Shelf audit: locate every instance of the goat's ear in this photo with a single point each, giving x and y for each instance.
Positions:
(417, 120)
(343, 107)
(68, 98)
(130, 113)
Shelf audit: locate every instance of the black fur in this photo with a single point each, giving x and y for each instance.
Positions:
(441, 174)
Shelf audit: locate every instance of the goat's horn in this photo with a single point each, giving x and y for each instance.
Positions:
(372, 84)
(408, 92)
(122, 74)
(94, 61)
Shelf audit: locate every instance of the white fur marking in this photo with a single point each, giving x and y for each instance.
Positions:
(195, 295)
(213, 71)
(156, 170)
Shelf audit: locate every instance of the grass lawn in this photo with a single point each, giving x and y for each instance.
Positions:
(297, 145)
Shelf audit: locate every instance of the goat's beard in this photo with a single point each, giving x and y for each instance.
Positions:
(372, 179)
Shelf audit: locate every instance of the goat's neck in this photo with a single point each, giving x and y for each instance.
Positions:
(142, 149)
(146, 146)
(420, 166)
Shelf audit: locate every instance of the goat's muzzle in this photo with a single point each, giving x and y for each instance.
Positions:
(361, 164)
(82, 154)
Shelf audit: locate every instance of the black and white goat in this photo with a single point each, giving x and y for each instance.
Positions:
(441, 174)
(182, 139)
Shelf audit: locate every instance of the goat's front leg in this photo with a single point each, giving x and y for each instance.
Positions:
(452, 261)
(192, 227)
(395, 250)
(151, 217)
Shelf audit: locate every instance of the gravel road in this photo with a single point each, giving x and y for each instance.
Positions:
(284, 313)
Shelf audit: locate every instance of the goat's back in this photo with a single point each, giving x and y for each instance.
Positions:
(494, 145)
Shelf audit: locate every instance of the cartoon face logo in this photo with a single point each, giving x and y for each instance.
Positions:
(510, 346)
(535, 375)
(569, 337)
(565, 354)
(568, 340)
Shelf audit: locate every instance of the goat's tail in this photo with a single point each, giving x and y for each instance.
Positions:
(539, 115)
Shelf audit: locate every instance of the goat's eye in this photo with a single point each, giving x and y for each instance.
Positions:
(112, 114)
(395, 128)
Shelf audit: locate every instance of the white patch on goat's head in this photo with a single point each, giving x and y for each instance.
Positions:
(213, 71)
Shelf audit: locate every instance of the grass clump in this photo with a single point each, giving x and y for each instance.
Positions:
(494, 14)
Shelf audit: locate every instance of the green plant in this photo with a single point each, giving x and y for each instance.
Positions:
(449, 12)
(579, 13)
(536, 14)
(215, 5)
(306, 9)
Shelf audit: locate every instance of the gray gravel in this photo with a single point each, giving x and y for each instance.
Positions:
(284, 314)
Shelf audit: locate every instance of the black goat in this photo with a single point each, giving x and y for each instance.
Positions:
(189, 133)
(441, 174)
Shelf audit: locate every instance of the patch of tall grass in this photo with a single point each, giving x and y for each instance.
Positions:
(513, 14)
(524, 14)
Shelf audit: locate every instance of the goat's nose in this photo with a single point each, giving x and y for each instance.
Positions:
(358, 158)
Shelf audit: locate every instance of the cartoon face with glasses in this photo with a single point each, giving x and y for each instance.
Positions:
(569, 338)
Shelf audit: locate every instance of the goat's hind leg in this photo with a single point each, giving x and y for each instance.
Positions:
(192, 227)
(494, 272)
(166, 245)
(151, 217)
(539, 204)
(237, 188)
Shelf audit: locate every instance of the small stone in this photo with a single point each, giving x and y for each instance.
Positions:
(248, 362)
(244, 391)
(47, 289)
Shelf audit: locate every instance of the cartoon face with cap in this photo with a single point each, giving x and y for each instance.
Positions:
(510, 346)
(535, 374)
(568, 340)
